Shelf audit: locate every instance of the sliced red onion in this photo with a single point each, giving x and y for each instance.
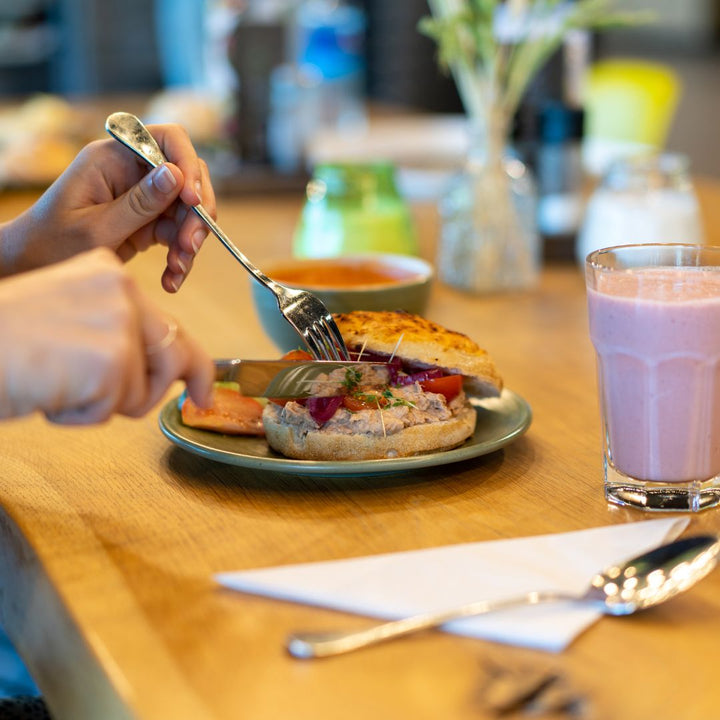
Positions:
(420, 376)
(321, 409)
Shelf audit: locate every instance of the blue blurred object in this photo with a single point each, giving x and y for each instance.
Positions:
(330, 39)
(181, 40)
(14, 678)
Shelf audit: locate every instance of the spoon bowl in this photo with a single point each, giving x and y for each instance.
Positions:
(636, 584)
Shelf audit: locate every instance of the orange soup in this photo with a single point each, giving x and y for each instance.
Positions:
(342, 273)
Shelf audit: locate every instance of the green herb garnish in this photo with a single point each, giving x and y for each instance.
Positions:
(396, 401)
(352, 379)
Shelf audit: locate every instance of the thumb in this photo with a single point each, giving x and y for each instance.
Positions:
(148, 199)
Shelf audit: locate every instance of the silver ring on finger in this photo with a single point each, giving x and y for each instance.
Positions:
(166, 341)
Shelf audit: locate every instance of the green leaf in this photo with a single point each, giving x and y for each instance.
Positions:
(487, 71)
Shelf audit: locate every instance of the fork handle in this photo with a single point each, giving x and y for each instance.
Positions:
(130, 131)
(203, 214)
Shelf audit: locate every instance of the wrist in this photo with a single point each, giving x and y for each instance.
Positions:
(13, 243)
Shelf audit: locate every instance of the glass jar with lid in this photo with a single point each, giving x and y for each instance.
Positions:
(354, 208)
(642, 199)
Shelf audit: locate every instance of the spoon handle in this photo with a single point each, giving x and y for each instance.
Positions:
(644, 581)
(324, 644)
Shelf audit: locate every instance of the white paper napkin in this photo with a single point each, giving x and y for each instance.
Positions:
(398, 584)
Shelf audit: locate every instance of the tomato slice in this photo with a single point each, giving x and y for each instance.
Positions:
(282, 402)
(230, 413)
(299, 355)
(366, 401)
(447, 385)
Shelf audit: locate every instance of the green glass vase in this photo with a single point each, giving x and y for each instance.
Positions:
(354, 208)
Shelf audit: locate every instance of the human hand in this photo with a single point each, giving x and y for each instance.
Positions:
(107, 197)
(81, 342)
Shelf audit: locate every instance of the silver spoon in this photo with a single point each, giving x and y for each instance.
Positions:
(639, 583)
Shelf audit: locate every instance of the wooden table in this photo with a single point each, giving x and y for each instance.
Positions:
(110, 535)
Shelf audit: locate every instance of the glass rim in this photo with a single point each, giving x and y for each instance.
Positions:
(592, 259)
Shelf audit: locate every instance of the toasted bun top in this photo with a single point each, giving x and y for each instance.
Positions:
(424, 343)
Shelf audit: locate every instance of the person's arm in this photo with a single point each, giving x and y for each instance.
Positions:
(80, 342)
(107, 197)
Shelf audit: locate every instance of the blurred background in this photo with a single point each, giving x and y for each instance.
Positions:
(79, 49)
(272, 89)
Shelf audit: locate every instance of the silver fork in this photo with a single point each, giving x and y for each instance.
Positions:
(305, 312)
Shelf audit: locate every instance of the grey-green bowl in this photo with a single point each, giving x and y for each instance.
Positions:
(411, 295)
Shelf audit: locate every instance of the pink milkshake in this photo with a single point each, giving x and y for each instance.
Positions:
(655, 325)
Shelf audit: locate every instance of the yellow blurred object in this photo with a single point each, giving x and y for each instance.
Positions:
(202, 114)
(39, 138)
(629, 105)
(35, 160)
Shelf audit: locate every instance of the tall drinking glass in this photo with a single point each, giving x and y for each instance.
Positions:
(655, 323)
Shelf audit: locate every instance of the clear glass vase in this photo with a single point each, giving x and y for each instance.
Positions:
(488, 231)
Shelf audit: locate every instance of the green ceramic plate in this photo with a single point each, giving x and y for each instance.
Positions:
(500, 421)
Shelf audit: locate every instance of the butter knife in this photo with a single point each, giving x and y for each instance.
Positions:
(281, 378)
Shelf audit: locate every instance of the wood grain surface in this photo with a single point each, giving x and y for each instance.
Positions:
(111, 534)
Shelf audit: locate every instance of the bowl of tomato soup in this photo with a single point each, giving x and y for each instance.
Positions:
(377, 281)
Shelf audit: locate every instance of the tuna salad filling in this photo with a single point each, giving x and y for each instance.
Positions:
(374, 401)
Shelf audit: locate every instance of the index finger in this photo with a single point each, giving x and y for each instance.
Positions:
(171, 354)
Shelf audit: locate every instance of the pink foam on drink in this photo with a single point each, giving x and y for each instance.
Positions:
(657, 335)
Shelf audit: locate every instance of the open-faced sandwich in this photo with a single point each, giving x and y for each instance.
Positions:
(416, 404)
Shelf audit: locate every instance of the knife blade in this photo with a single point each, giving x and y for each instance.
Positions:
(281, 378)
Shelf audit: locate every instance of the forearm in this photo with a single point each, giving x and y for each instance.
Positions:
(20, 250)
(13, 358)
